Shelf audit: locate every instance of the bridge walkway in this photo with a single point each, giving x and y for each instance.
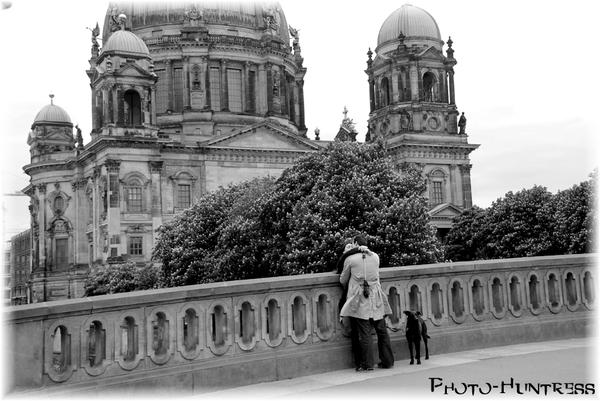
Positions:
(531, 366)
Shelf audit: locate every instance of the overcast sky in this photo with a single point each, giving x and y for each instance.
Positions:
(526, 78)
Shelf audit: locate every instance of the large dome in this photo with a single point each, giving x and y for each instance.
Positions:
(412, 22)
(125, 42)
(52, 114)
(143, 16)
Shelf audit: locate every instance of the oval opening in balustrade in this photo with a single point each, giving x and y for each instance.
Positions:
(299, 317)
(414, 298)
(534, 289)
(571, 289)
(247, 320)
(553, 290)
(478, 299)
(323, 312)
(458, 306)
(437, 304)
(588, 287)
(515, 295)
(273, 319)
(497, 297)
(219, 326)
(61, 349)
(160, 334)
(129, 339)
(96, 344)
(394, 300)
(190, 330)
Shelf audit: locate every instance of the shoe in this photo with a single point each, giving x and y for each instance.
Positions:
(412, 362)
(418, 361)
(363, 369)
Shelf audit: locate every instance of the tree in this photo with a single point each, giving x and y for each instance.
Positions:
(117, 278)
(531, 222)
(574, 217)
(333, 194)
(297, 223)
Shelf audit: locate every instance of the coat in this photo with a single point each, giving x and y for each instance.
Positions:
(376, 306)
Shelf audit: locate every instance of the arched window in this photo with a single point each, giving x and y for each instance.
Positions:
(134, 195)
(429, 87)
(133, 108)
(385, 92)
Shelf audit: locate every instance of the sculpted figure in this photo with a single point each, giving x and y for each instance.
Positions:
(462, 124)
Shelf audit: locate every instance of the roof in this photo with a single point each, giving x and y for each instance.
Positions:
(126, 42)
(411, 21)
(53, 114)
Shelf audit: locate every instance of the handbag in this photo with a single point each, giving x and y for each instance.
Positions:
(365, 285)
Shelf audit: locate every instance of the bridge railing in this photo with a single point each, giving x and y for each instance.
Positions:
(266, 329)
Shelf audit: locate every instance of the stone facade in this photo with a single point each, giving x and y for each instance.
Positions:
(184, 100)
(412, 103)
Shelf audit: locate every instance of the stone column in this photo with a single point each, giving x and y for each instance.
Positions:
(224, 86)
(169, 74)
(443, 88)
(261, 90)
(451, 85)
(206, 66)
(394, 83)
(301, 101)
(155, 178)
(371, 94)
(114, 200)
(420, 84)
(41, 189)
(292, 99)
(414, 83)
(268, 67)
(465, 170)
(153, 109)
(186, 82)
(246, 86)
(105, 107)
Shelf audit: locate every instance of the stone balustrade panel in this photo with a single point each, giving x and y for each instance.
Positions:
(102, 337)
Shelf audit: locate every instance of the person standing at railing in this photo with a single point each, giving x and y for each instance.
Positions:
(366, 304)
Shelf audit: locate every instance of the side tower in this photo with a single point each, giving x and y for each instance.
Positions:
(413, 109)
(123, 86)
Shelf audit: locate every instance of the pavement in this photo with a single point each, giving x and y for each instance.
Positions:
(549, 368)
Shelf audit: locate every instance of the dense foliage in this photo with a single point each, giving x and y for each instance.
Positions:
(531, 222)
(297, 223)
(124, 277)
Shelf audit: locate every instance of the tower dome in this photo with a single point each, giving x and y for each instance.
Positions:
(125, 42)
(52, 114)
(413, 22)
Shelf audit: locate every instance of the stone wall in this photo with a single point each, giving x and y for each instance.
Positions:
(191, 339)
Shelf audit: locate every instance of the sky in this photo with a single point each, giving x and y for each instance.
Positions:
(526, 80)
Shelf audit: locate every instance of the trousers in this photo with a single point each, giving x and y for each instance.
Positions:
(384, 345)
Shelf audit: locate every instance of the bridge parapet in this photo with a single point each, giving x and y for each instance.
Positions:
(239, 332)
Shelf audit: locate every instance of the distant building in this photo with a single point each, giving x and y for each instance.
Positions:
(189, 97)
(6, 273)
(20, 268)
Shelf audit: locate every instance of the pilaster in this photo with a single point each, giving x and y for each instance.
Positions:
(155, 178)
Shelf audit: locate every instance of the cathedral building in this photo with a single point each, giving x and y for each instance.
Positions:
(413, 109)
(187, 97)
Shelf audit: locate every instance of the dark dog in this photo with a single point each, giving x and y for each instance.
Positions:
(413, 336)
(424, 334)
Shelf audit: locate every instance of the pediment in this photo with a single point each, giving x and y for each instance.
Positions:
(132, 70)
(431, 53)
(446, 211)
(263, 136)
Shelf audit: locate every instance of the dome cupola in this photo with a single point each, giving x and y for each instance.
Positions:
(126, 43)
(413, 22)
(53, 115)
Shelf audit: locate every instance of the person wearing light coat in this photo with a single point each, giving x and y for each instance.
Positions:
(366, 305)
